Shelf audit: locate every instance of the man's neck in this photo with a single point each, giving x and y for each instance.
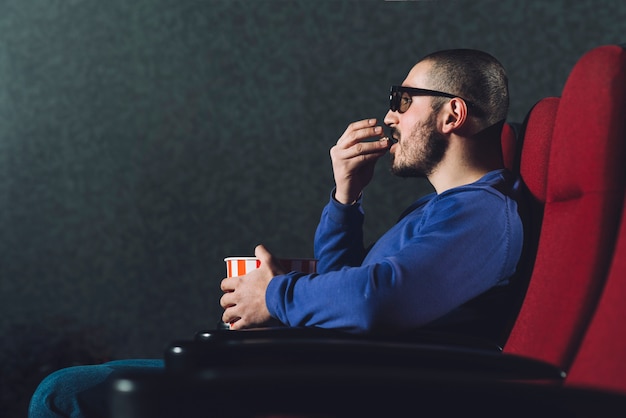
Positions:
(445, 181)
(465, 162)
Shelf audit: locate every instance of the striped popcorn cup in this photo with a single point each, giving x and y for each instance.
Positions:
(238, 266)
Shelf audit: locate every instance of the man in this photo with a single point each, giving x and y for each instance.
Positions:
(439, 266)
(448, 249)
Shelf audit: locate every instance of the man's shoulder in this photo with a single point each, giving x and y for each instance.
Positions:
(501, 183)
(489, 197)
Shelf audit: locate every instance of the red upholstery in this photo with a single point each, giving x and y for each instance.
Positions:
(509, 146)
(601, 360)
(532, 164)
(584, 194)
(538, 131)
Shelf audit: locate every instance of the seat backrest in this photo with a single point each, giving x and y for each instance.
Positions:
(600, 362)
(584, 190)
(509, 145)
(528, 157)
(534, 156)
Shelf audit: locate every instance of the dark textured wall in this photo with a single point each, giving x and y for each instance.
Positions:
(142, 141)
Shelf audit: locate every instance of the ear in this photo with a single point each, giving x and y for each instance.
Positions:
(455, 115)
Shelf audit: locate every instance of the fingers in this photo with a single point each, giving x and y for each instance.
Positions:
(354, 142)
(356, 132)
(236, 323)
(359, 152)
(228, 303)
(227, 300)
(230, 314)
(227, 284)
(229, 317)
(366, 150)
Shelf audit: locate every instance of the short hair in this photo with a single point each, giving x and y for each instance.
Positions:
(475, 76)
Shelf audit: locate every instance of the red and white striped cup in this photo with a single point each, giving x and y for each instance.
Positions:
(238, 266)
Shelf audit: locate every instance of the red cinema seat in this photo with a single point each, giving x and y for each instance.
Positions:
(571, 162)
(584, 193)
(600, 362)
(530, 158)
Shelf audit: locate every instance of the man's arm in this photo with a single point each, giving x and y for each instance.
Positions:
(244, 300)
(339, 235)
(415, 273)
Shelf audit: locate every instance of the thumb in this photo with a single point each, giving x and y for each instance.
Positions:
(267, 259)
(262, 254)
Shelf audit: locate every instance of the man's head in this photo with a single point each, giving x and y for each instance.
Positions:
(448, 93)
(475, 76)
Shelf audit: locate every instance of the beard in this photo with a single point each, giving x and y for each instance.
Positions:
(420, 152)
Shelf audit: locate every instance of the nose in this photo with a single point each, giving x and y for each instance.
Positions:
(391, 118)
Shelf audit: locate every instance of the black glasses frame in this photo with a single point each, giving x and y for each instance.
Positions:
(395, 96)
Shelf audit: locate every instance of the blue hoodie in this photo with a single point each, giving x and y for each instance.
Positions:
(445, 250)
